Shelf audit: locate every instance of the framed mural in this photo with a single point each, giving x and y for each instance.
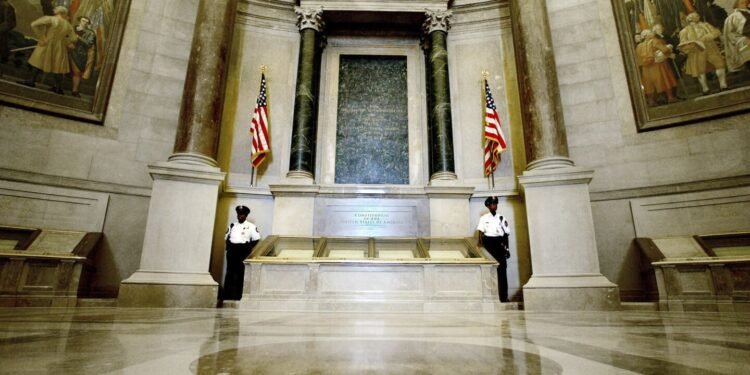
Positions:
(686, 60)
(59, 56)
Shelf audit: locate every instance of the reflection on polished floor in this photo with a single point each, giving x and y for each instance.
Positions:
(227, 341)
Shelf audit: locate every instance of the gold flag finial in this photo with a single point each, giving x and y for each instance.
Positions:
(264, 68)
(485, 73)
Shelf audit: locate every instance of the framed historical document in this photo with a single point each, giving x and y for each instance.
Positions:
(59, 56)
(685, 60)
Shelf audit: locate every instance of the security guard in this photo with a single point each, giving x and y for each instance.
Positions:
(240, 238)
(494, 232)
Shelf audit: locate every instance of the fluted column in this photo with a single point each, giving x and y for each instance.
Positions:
(544, 130)
(197, 139)
(304, 125)
(436, 28)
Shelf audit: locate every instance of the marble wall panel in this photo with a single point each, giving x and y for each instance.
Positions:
(395, 217)
(717, 211)
(38, 206)
(457, 280)
(253, 46)
(376, 280)
(286, 279)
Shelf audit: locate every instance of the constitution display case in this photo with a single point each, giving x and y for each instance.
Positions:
(370, 274)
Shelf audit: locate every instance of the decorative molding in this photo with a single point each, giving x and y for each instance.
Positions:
(437, 20)
(310, 18)
(376, 5)
(37, 206)
(685, 214)
(556, 176)
(73, 183)
(195, 173)
(685, 187)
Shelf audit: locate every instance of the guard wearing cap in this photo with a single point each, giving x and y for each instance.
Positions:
(494, 232)
(241, 237)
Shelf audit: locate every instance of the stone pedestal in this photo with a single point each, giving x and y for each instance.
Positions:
(294, 209)
(563, 247)
(449, 210)
(177, 245)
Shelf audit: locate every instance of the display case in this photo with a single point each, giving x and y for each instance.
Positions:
(44, 267)
(369, 274)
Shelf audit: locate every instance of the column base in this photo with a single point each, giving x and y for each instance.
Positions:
(437, 177)
(192, 158)
(300, 177)
(550, 163)
(571, 292)
(168, 289)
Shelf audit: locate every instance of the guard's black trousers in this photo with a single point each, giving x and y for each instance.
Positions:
(496, 247)
(235, 277)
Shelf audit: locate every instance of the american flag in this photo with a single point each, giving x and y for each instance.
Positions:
(494, 140)
(259, 127)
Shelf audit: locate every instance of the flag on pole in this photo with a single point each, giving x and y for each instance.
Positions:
(494, 140)
(259, 127)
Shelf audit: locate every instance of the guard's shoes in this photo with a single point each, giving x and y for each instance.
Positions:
(27, 83)
(75, 94)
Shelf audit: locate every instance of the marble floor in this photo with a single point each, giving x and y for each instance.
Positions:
(229, 341)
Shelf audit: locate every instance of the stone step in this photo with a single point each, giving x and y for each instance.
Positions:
(639, 306)
(96, 302)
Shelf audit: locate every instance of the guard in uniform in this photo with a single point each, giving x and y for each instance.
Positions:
(494, 232)
(241, 237)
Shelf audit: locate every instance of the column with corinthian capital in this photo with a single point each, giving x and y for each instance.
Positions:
(564, 259)
(435, 30)
(294, 202)
(177, 245)
(302, 157)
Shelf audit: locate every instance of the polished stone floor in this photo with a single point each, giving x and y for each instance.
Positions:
(228, 341)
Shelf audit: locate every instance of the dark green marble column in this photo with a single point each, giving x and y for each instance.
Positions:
(197, 138)
(304, 124)
(438, 96)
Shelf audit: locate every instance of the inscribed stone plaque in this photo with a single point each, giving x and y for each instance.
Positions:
(394, 221)
(372, 140)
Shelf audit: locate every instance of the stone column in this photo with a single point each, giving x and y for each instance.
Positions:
(304, 125)
(564, 258)
(436, 28)
(177, 245)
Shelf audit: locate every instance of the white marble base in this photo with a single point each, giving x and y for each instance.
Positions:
(177, 245)
(570, 292)
(564, 257)
(168, 289)
(343, 286)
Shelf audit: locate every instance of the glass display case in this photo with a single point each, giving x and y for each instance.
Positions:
(370, 274)
(364, 249)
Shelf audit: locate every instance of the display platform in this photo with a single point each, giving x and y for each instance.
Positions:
(295, 273)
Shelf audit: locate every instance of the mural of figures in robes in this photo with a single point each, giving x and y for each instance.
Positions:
(686, 59)
(59, 55)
